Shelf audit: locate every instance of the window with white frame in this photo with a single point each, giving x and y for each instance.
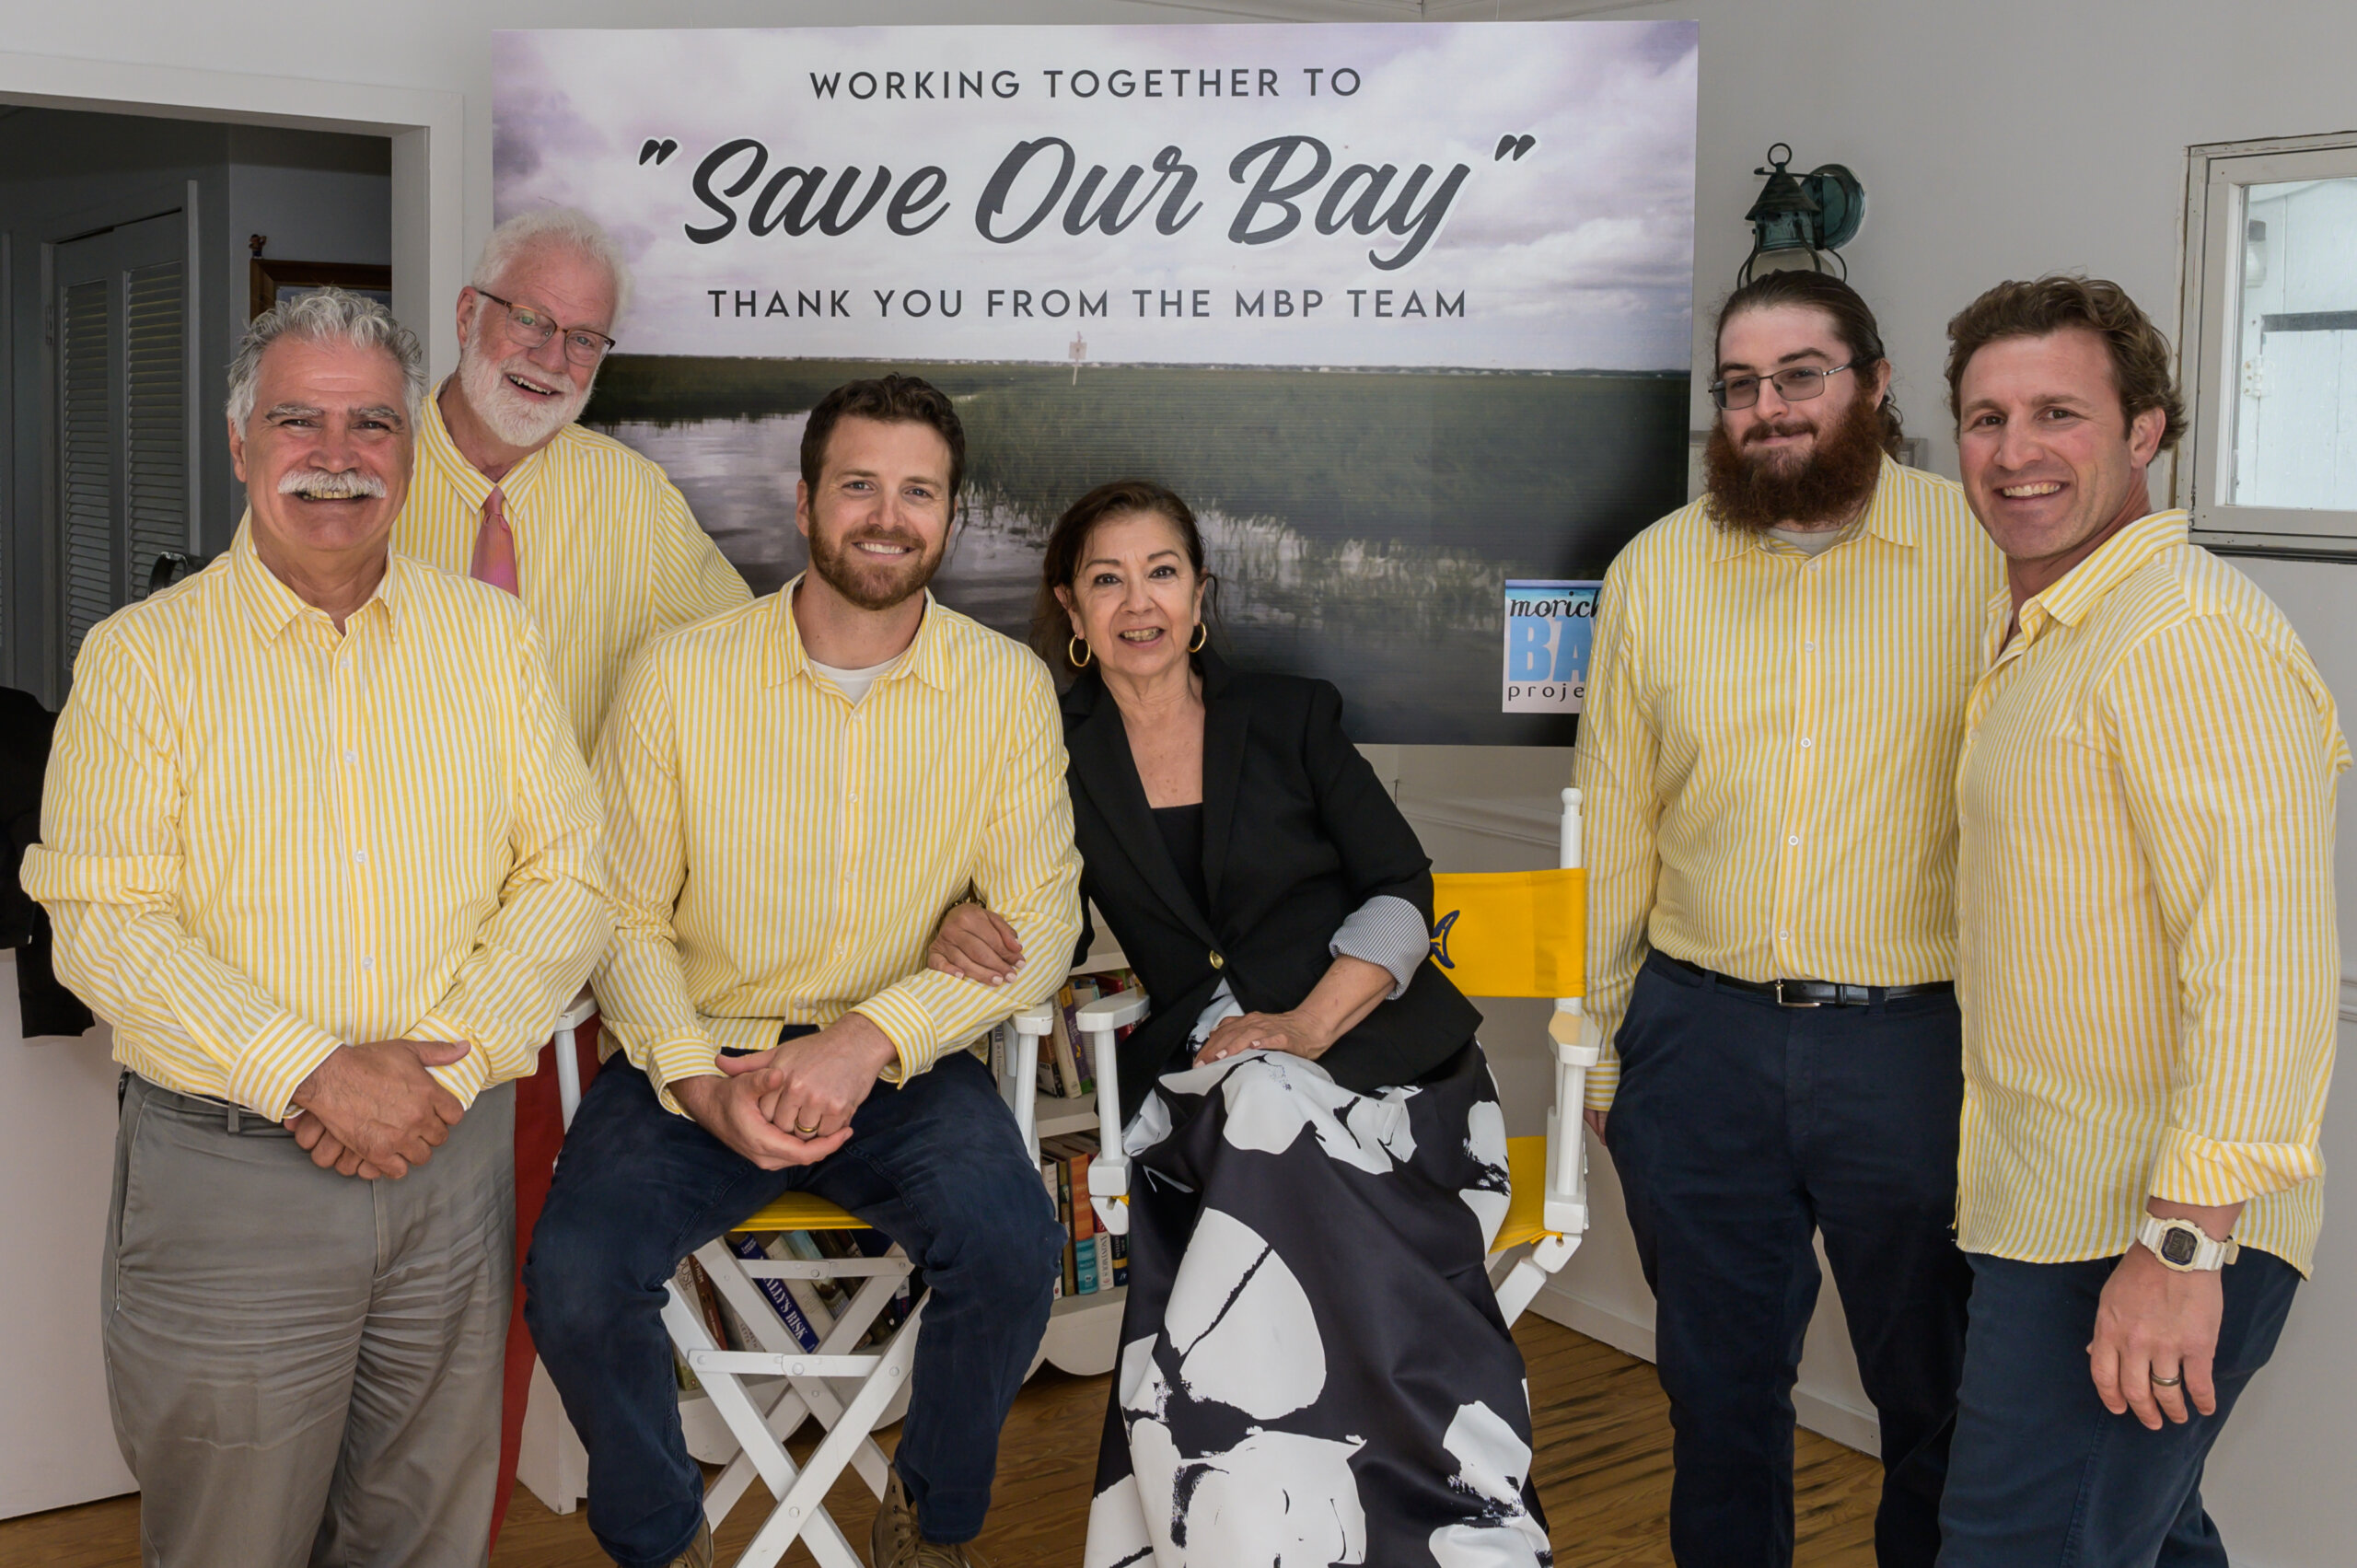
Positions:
(2270, 344)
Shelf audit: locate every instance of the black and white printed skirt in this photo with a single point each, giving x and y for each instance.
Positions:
(1313, 1367)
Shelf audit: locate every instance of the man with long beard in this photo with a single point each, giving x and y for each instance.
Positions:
(1768, 761)
(796, 791)
(594, 538)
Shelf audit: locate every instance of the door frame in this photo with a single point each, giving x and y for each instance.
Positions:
(426, 128)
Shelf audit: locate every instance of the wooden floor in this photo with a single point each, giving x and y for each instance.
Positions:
(1603, 1433)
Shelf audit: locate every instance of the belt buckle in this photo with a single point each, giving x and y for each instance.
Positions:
(1783, 1002)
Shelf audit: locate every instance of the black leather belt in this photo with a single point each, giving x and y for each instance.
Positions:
(1811, 993)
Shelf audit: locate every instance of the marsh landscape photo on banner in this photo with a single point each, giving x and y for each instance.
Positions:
(1404, 310)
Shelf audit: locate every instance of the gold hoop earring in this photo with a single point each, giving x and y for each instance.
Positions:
(1203, 635)
(1079, 659)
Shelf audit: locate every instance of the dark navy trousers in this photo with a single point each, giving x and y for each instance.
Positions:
(1742, 1129)
(936, 1165)
(2043, 1476)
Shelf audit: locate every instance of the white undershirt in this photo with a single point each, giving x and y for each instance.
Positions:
(1811, 541)
(854, 683)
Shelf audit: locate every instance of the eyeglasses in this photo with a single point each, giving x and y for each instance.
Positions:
(1797, 385)
(527, 328)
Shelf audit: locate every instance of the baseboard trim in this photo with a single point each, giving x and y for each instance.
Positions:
(1851, 1427)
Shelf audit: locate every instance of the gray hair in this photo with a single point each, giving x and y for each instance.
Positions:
(567, 229)
(324, 316)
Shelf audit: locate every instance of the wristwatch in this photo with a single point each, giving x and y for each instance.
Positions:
(2182, 1246)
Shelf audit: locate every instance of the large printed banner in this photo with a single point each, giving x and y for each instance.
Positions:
(1403, 310)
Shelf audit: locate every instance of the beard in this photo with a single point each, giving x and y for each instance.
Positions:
(1752, 492)
(866, 581)
(516, 417)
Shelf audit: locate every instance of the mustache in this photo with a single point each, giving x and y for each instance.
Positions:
(319, 484)
(1779, 427)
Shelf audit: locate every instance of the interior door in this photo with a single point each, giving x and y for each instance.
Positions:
(124, 491)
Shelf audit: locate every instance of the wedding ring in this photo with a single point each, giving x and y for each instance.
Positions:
(802, 1132)
(2161, 1382)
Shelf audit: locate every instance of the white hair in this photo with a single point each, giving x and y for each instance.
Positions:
(563, 227)
(324, 316)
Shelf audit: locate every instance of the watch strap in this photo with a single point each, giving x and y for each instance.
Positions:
(2182, 1246)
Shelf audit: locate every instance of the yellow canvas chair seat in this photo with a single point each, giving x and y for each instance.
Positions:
(1494, 934)
(798, 1211)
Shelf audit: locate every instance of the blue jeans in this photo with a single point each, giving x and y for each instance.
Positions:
(1739, 1128)
(2041, 1475)
(936, 1165)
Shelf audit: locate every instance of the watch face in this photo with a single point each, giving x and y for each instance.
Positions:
(2178, 1247)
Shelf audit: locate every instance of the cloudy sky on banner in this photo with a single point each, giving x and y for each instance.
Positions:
(1577, 254)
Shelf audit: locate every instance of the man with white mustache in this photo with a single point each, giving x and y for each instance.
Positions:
(592, 537)
(320, 846)
(1768, 756)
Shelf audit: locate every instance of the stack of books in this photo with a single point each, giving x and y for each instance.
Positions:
(1093, 1261)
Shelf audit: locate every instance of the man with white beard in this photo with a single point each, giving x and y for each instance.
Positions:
(595, 540)
(593, 537)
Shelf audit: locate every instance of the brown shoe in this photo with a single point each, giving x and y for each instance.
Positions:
(699, 1552)
(896, 1542)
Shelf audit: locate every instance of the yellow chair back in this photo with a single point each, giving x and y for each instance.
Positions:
(1512, 932)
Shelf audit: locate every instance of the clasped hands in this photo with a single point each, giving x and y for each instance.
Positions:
(793, 1103)
(373, 1110)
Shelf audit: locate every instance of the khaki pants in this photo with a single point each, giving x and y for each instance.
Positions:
(305, 1367)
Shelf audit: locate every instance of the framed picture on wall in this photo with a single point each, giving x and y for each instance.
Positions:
(274, 280)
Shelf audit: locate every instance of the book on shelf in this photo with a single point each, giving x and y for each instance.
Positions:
(774, 1292)
(1093, 1261)
(1067, 1060)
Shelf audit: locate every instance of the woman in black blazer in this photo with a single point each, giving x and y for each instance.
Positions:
(1313, 1365)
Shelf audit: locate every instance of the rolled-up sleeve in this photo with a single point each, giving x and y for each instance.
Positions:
(2229, 756)
(1388, 932)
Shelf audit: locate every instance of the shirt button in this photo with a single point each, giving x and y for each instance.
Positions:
(361, 856)
(1806, 743)
(1783, 936)
(368, 963)
(1793, 840)
(1218, 962)
(353, 758)
(1808, 647)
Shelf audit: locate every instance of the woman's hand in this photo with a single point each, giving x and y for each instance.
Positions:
(975, 945)
(1288, 1032)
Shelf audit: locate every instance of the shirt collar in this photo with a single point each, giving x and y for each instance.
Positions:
(1886, 517)
(2083, 586)
(437, 448)
(927, 658)
(272, 606)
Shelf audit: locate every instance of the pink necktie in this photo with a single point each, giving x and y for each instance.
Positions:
(495, 547)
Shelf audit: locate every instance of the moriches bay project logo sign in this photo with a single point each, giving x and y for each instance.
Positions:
(1403, 310)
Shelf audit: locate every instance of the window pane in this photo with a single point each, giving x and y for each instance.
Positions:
(2295, 427)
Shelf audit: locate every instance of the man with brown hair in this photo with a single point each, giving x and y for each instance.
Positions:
(795, 791)
(1767, 761)
(2150, 967)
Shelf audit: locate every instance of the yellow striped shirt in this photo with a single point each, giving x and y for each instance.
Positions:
(607, 552)
(1767, 760)
(261, 839)
(779, 855)
(2150, 971)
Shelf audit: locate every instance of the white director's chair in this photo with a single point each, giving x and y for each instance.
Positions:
(847, 1390)
(1498, 934)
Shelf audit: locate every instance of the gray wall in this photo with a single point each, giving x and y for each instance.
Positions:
(320, 197)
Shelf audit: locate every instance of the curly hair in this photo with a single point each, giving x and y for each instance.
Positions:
(2142, 363)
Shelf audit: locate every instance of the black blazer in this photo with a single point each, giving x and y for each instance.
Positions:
(1297, 833)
